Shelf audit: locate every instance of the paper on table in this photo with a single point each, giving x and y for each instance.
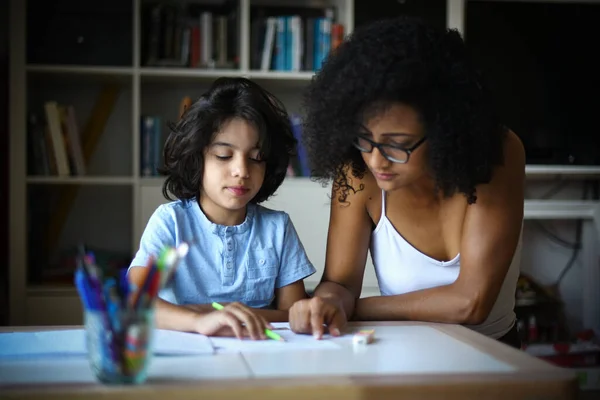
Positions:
(293, 342)
(72, 342)
(181, 343)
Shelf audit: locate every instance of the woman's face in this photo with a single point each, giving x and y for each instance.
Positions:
(399, 126)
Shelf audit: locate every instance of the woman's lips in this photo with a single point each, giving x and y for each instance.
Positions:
(383, 176)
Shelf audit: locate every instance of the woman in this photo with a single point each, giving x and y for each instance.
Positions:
(424, 175)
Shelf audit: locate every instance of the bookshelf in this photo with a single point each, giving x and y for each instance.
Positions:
(104, 203)
(110, 204)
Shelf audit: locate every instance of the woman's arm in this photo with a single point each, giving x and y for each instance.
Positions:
(285, 297)
(348, 241)
(489, 238)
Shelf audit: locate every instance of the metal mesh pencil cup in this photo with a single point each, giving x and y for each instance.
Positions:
(119, 348)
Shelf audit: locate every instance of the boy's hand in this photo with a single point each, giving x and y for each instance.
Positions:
(236, 318)
(309, 316)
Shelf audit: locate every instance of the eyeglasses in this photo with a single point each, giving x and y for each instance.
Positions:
(392, 153)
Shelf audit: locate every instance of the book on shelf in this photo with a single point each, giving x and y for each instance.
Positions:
(292, 39)
(190, 35)
(208, 36)
(54, 142)
(151, 145)
(299, 163)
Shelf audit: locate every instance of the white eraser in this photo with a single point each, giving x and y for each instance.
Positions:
(364, 337)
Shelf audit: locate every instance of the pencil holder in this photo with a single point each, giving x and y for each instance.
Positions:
(119, 344)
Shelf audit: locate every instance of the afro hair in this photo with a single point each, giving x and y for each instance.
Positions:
(403, 60)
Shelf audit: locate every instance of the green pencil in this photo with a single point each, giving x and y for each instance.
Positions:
(270, 334)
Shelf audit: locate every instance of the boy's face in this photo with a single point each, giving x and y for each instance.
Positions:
(233, 172)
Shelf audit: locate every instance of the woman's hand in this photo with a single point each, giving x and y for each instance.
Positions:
(309, 316)
(234, 318)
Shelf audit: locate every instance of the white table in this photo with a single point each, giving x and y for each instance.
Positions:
(407, 360)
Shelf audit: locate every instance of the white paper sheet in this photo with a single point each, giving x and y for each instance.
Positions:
(72, 342)
(77, 370)
(181, 343)
(293, 342)
(406, 350)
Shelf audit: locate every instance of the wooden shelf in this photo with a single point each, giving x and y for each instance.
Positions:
(572, 171)
(94, 71)
(167, 73)
(80, 180)
(281, 75)
(561, 209)
(52, 290)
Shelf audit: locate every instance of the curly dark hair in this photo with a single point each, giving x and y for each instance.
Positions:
(227, 98)
(408, 61)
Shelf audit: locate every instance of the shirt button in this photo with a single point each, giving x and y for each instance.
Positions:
(261, 261)
(228, 264)
(229, 247)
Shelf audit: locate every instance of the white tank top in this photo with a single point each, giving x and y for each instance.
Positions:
(401, 268)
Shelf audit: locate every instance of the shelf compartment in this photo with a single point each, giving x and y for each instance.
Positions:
(102, 113)
(60, 217)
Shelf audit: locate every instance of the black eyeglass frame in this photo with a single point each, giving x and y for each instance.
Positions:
(382, 146)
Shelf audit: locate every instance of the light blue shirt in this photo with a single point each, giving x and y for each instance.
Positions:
(243, 263)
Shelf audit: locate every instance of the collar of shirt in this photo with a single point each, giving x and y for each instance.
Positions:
(221, 230)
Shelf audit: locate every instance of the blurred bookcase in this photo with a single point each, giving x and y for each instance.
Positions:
(93, 63)
(85, 79)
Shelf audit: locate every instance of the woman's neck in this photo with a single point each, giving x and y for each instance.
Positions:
(422, 193)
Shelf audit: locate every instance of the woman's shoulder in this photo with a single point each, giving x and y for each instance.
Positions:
(356, 190)
(514, 150)
(508, 178)
(513, 159)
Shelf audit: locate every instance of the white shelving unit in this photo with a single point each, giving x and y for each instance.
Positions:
(150, 90)
(113, 172)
